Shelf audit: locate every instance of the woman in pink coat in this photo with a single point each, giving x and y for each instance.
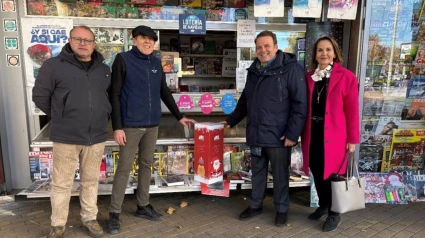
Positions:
(332, 125)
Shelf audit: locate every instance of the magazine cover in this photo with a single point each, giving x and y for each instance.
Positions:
(174, 180)
(416, 110)
(296, 158)
(386, 161)
(372, 107)
(227, 164)
(34, 159)
(190, 155)
(393, 108)
(109, 165)
(191, 3)
(172, 81)
(382, 140)
(368, 123)
(370, 158)
(237, 159)
(115, 157)
(152, 13)
(386, 125)
(414, 186)
(179, 165)
(407, 150)
(180, 147)
(164, 164)
(155, 164)
(221, 189)
(374, 187)
(109, 35)
(109, 53)
(167, 61)
(135, 166)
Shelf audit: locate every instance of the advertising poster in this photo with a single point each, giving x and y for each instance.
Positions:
(42, 39)
(307, 8)
(343, 9)
(269, 8)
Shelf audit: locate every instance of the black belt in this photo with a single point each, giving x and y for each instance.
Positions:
(314, 118)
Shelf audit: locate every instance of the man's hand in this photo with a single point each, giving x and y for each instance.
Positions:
(119, 137)
(351, 147)
(288, 142)
(225, 124)
(186, 122)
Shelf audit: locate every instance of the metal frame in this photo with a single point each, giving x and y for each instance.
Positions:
(363, 60)
(13, 123)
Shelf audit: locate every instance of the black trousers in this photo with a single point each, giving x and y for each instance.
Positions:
(280, 159)
(317, 165)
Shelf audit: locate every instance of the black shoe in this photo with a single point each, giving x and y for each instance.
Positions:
(316, 215)
(332, 223)
(149, 213)
(250, 213)
(281, 218)
(114, 223)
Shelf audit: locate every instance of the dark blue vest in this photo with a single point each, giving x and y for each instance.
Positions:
(141, 92)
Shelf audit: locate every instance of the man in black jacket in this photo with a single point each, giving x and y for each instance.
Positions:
(275, 103)
(73, 90)
(138, 86)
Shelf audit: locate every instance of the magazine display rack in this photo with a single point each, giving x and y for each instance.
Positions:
(171, 132)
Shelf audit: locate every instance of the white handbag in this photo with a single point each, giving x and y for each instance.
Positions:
(348, 193)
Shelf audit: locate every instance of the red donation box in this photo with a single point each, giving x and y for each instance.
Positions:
(208, 161)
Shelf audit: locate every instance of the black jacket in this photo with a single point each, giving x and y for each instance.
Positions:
(75, 97)
(274, 101)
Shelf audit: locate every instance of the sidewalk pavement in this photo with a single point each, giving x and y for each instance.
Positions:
(207, 216)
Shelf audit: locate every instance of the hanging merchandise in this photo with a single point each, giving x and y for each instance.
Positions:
(307, 8)
(228, 103)
(343, 9)
(269, 8)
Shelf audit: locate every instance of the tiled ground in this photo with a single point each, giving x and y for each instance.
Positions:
(207, 216)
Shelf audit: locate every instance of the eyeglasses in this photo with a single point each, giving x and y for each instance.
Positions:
(81, 40)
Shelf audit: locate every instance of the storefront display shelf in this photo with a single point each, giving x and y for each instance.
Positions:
(301, 183)
(174, 25)
(74, 193)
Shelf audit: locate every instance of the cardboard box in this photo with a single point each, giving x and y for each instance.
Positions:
(208, 163)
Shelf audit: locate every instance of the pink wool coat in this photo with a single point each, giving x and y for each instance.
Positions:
(342, 124)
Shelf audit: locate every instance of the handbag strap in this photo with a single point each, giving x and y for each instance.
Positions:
(354, 165)
(340, 167)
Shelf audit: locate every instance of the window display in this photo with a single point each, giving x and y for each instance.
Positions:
(394, 98)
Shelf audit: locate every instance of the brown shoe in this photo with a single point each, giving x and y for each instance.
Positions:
(56, 232)
(95, 230)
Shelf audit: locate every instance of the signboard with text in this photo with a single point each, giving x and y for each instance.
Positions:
(192, 24)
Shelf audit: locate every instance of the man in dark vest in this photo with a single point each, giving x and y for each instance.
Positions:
(138, 86)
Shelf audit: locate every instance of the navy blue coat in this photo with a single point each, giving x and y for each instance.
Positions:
(275, 102)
